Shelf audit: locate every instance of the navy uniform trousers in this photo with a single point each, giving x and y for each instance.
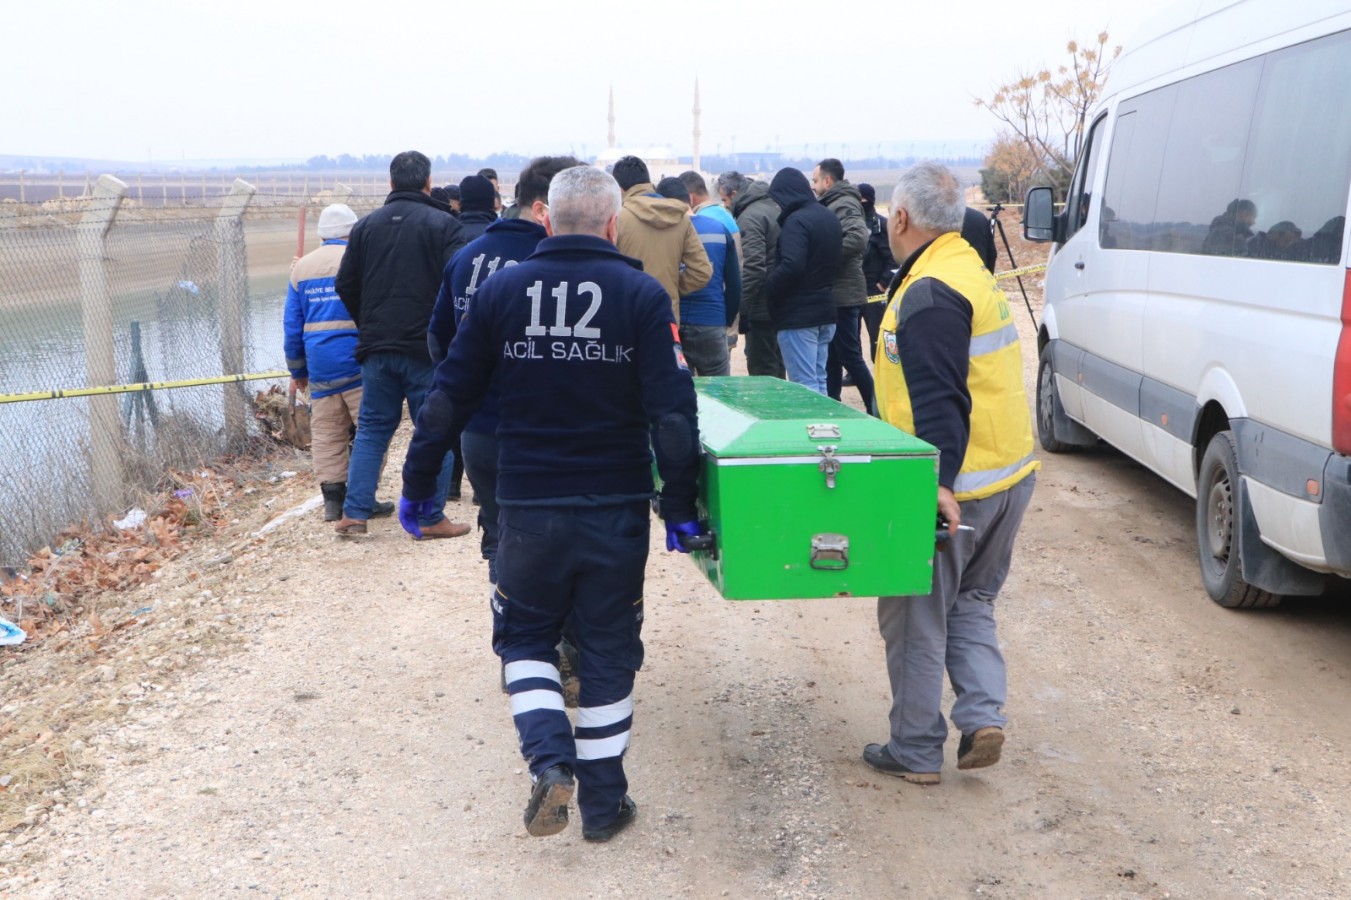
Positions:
(587, 562)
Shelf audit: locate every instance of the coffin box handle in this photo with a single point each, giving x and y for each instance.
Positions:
(830, 552)
(707, 543)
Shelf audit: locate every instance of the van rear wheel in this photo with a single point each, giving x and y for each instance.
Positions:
(1217, 518)
(1048, 402)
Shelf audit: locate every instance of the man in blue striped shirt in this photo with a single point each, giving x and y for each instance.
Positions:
(706, 313)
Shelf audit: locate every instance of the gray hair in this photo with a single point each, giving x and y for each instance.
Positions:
(732, 182)
(582, 200)
(932, 196)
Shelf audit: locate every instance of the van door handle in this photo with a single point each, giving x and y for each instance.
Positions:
(1079, 265)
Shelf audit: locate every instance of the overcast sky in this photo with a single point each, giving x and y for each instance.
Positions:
(176, 79)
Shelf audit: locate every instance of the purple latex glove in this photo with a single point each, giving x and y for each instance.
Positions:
(412, 510)
(674, 531)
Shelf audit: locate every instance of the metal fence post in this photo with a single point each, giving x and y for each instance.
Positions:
(233, 294)
(105, 430)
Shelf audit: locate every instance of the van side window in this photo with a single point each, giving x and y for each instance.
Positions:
(1080, 195)
(1201, 204)
(1134, 163)
(1252, 160)
(1298, 162)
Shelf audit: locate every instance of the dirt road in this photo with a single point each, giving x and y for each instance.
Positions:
(357, 743)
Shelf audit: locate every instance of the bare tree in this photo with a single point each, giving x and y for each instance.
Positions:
(1010, 169)
(1048, 111)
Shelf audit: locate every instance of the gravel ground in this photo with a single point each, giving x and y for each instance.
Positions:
(343, 734)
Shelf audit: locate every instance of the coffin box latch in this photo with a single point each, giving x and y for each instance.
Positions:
(829, 464)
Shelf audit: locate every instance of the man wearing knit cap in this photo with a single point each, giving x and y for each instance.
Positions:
(476, 205)
(320, 345)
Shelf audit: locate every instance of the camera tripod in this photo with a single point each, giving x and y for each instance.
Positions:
(997, 227)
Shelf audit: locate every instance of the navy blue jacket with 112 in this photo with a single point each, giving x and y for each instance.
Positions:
(582, 347)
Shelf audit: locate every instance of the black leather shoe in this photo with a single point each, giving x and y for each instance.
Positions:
(547, 811)
(880, 758)
(980, 748)
(628, 811)
(382, 509)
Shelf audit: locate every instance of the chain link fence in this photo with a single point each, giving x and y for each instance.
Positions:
(105, 291)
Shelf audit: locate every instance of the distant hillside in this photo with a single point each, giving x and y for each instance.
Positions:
(39, 165)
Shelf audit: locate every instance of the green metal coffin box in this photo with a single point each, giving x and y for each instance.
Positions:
(808, 498)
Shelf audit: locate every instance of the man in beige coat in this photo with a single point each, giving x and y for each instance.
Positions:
(658, 231)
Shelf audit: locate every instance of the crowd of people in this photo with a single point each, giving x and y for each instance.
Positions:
(548, 351)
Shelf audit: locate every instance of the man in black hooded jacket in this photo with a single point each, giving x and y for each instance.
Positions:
(877, 264)
(476, 206)
(388, 281)
(800, 286)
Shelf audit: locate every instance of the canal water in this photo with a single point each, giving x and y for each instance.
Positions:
(164, 285)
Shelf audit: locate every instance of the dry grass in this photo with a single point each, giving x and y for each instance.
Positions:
(122, 629)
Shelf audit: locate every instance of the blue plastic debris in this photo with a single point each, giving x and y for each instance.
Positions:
(11, 634)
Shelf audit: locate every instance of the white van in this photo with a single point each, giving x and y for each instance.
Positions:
(1198, 301)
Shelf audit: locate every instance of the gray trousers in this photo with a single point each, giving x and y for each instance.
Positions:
(952, 628)
(705, 349)
(762, 350)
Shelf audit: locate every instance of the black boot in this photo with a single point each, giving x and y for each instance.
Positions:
(335, 493)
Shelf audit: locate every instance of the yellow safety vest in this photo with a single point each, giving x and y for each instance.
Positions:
(999, 451)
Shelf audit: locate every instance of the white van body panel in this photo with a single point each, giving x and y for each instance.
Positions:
(1217, 385)
(1105, 306)
(1289, 525)
(1271, 327)
(1066, 383)
(1071, 396)
(1191, 37)
(1155, 329)
(1171, 457)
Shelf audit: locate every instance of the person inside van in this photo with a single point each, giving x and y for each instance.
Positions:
(1280, 241)
(1231, 230)
(1326, 244)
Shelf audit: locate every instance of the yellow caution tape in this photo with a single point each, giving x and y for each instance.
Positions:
(67, 393)
(1025, 270)
(999, 276)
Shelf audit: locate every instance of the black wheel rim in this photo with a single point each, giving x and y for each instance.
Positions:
(1046, 399)
(1220, 516)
